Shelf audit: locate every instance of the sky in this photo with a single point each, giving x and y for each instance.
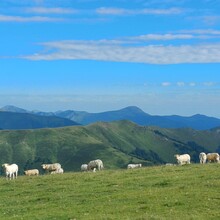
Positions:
(162, 56)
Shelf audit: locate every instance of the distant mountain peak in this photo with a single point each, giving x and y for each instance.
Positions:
(12, 108)
(134, 109)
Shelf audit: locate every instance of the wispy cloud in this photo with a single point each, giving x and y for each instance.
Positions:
(47, 10)
(166, 37)
(123, 11)
(210, 83)
(201, 31)
(192, 84)
(151, 54)
(166, 84)
(6, 18)
(180, 83)
(211, 19)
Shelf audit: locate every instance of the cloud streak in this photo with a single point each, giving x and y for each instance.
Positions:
(14, 14)
(43, 10)
(146, 11)
(6, 18)
(150, 54)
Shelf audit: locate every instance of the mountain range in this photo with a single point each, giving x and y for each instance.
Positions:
(131, 113)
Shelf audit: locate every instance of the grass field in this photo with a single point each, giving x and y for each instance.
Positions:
(160, 192)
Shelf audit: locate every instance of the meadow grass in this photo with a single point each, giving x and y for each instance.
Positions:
(160, 192)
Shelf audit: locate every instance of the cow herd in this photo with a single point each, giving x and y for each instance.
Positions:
(203, 158)
(11, 170)
(185, 159)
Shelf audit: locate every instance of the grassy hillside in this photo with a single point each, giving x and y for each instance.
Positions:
(159, 192)
(116, 143)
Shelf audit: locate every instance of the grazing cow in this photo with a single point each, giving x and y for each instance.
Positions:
(84, 167)
(213, 157)
(58, 171)
(182, 159)
(33, 172)
(133, 166)
(202, 157)
(51, 167)
(10, 170)
(170, 164)
(98, 164)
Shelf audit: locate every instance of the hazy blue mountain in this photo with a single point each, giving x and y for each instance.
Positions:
(12, 120)
(135, 114)
(11, 108)
(131, 113)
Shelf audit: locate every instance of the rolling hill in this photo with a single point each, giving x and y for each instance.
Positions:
(116, 143)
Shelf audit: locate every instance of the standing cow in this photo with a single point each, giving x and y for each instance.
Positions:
(213, 157)
(11, 171)
(51, 167)
(182, 159)
(97, 164)
(202, 157)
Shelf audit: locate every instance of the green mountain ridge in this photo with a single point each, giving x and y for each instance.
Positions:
(116, 143)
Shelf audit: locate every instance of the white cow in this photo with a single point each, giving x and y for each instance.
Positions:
(133, 166)
(51, 167)
(10, 170)
(58, 171)
(84, 167)
(182, 159)
(170, 164)
(213, 157)
(33, 172)
(202, 157)
(98, 164)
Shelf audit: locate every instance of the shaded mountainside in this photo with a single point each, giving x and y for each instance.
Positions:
(116, 143)
(11, 120)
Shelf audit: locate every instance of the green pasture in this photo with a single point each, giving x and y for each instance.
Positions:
(159, 192)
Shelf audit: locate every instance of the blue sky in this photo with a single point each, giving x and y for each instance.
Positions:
(160, 55)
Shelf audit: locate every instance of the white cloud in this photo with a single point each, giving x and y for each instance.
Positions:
(123, 11)
(164, 37)
(43, 10)
(209, 83)
(192, 84)
(5, 18)
(201, 31)
(151, 54)
(166, 84)
(180, 84)
(210, 19)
